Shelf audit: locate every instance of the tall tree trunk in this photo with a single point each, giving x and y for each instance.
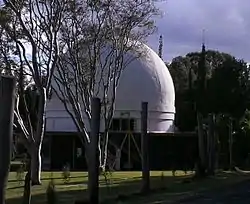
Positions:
(36, 164)
(7, 90)
(27, 185)
(104, 151)
(230, 143)
(211, 144)
(82, 136)
(201, 170)
(37, 145)
(217, 143)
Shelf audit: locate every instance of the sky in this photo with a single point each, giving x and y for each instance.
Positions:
(226, 24)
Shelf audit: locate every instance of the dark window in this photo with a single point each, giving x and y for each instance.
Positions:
(46, 146)
(123, 124)
(115, 125)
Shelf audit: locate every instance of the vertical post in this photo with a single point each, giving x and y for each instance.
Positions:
(145, 148)
(201, 171)
(118, 159)
(129, 151)
(211, 144)
(73, 153)
(7, 98)
(93, 152)
(230, 144)
(213, 147)
(50, 152)
(129, 144)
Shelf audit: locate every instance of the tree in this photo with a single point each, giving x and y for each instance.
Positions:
(230, 98)
(184, 71)
(180, 67)
(184, 76)
(10, 65)
(226, 91)
(7, 47)
(100, 40)
(33, 25)
(228, 88)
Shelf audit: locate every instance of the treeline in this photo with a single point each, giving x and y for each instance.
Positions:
(226, 96)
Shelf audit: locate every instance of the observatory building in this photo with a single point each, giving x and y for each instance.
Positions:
(144, 80)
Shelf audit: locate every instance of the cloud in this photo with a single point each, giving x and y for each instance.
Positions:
(226, 24)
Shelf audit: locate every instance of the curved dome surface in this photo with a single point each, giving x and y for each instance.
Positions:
(148, 80)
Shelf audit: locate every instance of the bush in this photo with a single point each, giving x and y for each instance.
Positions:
(66, 173)
(20, 174)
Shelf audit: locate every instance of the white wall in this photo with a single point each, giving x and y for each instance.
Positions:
(58, 120)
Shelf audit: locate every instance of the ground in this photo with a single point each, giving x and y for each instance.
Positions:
(238, 194)
(121, 183)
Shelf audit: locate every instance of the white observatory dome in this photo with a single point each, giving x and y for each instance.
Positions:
(148, 80)
(145, 79)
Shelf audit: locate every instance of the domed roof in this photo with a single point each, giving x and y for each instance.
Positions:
(146, 79)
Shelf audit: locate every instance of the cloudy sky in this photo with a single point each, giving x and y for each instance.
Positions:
(226, 24)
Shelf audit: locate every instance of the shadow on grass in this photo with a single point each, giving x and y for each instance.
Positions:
(78, 183)
(118, 188)
(128, 190)
(47, 178)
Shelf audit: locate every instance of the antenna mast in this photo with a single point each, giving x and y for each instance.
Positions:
(203, 36)
(160, 49)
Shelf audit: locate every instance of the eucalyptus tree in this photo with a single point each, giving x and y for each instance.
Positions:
(33, 26)
(98, 41)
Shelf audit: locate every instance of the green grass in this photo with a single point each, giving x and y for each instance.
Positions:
(121, 183)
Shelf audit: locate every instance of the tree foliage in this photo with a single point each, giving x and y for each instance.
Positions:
(227, 88)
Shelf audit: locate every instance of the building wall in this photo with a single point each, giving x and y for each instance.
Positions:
(59, 120)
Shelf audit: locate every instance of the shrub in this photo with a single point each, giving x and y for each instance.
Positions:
(108, 174)
(66, 173)
(20, 173)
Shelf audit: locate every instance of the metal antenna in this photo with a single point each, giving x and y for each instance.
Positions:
(203, 36)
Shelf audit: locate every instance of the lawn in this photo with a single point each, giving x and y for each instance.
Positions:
(120, 183)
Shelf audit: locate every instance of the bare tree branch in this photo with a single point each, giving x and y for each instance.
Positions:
(95, 44)
(33, 25)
